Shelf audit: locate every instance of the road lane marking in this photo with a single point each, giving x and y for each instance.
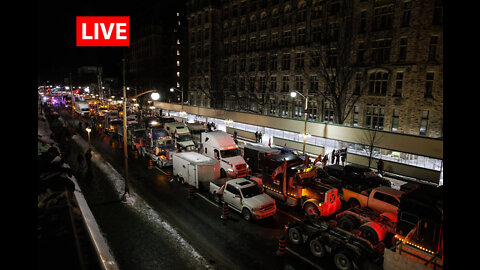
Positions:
(290, 215)
(206, 199)
(304, 259)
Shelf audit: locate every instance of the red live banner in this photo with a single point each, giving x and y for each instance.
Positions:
(103, 31)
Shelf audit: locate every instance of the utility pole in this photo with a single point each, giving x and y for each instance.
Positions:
(126, 195)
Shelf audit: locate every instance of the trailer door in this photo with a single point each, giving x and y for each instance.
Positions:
(192, 175)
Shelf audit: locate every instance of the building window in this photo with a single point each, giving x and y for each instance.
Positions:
(327, 113)
(314, 84)
(299, 61)
(407, 6)
(316, 33)
(287, 37)
(332, 57)
(402, 54)
(383, 18)
(363, 22)
(395, 119)
(274, 40)
(398, 84)
(432, 49)
(286, 84)
(374, 117)
(263, 63)
(273, 83)
(438, 13)
(286, 61)
(358, 83)
(361, 52)
(273, 62)
(381, 50)
(243, 64)
(424, 123)
(356, 109)
(300, 38)
(378, 83)
(299, 83)
(429, 85)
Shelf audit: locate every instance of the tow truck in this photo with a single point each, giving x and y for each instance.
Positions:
(286, 178)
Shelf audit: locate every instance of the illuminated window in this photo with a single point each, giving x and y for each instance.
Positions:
(178, 52)
(178, 41)
(178, 73)
(178, 84)
(178, 63)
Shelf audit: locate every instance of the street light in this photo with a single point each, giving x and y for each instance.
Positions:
(293, 94)
(181, 91)
(88, 130)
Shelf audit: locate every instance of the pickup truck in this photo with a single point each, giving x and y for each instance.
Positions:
(244, 196)
(381, 199)
(357, 176)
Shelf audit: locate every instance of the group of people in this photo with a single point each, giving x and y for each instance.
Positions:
(258, 136)
(211, 126)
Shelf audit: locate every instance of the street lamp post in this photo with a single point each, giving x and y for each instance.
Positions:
(88, 131)
(293, 95)
(175, 89)
(126, 195)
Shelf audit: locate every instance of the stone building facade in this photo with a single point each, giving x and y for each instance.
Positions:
(249, 56)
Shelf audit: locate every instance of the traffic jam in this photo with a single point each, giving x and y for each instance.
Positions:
(348, 213)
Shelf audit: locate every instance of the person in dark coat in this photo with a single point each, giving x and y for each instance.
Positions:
(88, 157)
(256, 136)
(380, 166)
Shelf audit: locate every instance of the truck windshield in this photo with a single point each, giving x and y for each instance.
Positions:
(161, 143)
(230, 153)
(184, 138)
(250, 191)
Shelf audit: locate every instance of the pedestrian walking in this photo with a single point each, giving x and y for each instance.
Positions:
(88, 157)
(235, 135)
(256, 136)
(343, 156)
(333, 157)
(380, 166)
(337, 157)
(260, 136)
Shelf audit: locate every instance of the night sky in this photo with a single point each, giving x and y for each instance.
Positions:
(57, 54)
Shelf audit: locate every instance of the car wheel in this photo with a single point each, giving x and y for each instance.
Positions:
(346, 223)
(246, 214)
(295, 236)
(317, 248)
(342, 261)
(369, 234)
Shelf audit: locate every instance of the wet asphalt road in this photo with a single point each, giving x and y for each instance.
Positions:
(138, 242)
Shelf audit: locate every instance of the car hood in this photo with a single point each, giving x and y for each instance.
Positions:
(259, 200)
(186, 143)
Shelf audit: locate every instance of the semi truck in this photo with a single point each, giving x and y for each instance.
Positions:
(220, 145)
(195, 169)
(180, 133)
(419, 231)
(255, 154)
(244, 196)
(158, 146)
(286, 178)
(349, 250)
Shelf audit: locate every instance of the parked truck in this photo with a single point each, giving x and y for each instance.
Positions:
(419, 231)
(158, 146)
(195, 169)
(196, 130)
(381, 199)
(82, 108)
(244, 196)
(255, 154)
(181, 135)
(349, 250)
(357, 176)
(287, 178)
(220, 145)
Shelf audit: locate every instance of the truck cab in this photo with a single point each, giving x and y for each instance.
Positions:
(220, 145)
(181, 134)
(82, 108)
(255, 155)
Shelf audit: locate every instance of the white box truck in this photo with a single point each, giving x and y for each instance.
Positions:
(220, 145)
(82, 108)
(195, 169)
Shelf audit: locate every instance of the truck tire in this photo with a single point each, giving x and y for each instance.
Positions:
(347, 223)
(342, 261)
(247, 215)
(294, 235)
(369, 234)
(317, 248)
(352, 203)
(311, 209)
